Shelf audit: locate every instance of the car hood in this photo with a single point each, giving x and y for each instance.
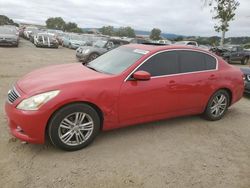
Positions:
(92, 48)
(246, 71)
(8, 36)
(53, 77)
(78, 41)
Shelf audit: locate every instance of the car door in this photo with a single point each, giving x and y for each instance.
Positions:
(181, 84)
(194, 84)
(235, 56)
(156, 96)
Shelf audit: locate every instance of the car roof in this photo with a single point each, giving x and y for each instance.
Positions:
(156, 48)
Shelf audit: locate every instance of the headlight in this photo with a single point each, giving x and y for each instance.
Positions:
(35, 102)
(86, 51)
(248, 78)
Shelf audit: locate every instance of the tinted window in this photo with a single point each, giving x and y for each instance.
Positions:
(210, 62)
(195, 61)
(162, 64)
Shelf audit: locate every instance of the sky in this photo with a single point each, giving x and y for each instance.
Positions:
(184, 17)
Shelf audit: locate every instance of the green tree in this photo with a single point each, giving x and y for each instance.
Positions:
(71, 26)
(155, 34)
(224, 11)
(55, 23)
(107, 30)
(76, 30)
(179, 38)
(125, 32)
(4, 20)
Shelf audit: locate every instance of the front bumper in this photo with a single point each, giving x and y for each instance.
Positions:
(247, 87)
(27, 126)
(81, 57)
(51, 45)
(8, 43)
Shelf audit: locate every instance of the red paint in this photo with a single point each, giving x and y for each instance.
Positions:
(122, 102)
(141, 75)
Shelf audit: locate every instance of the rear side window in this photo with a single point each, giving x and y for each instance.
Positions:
(165, 63)
(210, 62)
(191, 61)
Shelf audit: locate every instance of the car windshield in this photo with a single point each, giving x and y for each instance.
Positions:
(6, 30)
(181, 42)
(100, 43)
(76, 37)
(116, 61)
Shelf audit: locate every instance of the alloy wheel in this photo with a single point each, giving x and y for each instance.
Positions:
(75, 128)
(219, 105)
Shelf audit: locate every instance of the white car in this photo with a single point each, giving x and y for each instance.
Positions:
(187, 43)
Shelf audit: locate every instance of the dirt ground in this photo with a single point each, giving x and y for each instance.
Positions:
(182, 152)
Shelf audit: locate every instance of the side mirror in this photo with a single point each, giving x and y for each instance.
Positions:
(142, 75)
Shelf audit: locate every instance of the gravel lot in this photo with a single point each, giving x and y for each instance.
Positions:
(182, 152)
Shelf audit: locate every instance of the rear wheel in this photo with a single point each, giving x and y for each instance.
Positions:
(74, 127)
(217, 105)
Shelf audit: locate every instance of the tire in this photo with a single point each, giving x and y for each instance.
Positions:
(244, 61)
(64, 130)
(227, 59)
(216, 109)
(92, 57)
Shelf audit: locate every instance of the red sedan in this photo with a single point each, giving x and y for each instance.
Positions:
(132, 84)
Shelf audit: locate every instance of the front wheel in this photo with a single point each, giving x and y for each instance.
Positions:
(244, 61)
(74, 127)
(217, 105)
(92, 57)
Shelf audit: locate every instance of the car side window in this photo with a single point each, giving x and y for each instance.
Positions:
(191, 44)
(211, 62)
(164, 63)
(191, 61)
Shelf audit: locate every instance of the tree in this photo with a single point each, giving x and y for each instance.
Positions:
(71, 26)
(107, 30)
(125, 32)
(155, 34)
(55, 23)
(224, 12)
(179, 38)
(4, 20)
(76, 30)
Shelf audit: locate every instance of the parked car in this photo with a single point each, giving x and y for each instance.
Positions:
(164, 41)
(33, 34)
(219, 50)
(13, 28)
(246, 72)
(45, 40)
(187, 43)
(28, 30)
(86, 54)
(73, 41)
(60, 37)
(138, 41)
(132, 84)
(205, 47)
(236, 53)
(8, 37)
